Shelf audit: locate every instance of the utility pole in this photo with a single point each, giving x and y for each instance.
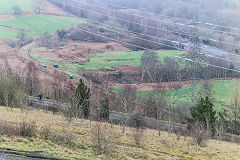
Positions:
(194, 55)
(193, 66)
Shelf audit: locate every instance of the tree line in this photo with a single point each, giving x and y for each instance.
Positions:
(170, 70)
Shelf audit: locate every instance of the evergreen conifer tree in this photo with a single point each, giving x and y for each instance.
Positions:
(81, 100)
(204, 113)
(104, 109)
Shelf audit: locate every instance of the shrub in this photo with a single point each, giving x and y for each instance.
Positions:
(64, 138)
(46, 133)
(27, 129)
(8, 129)
(199, 133)
(137, 121)
(100, 140)
(110, 47)
(16, 10)
(138, 136)
(12, 44)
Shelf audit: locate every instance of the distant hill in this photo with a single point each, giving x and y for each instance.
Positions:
(209, 9)
(166, 13)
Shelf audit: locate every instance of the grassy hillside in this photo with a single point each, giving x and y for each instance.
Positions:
(76, 140)
(38, 25)
(222, 90)
(33, 25)
(104, 60)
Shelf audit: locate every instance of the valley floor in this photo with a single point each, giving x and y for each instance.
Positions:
(77, 140)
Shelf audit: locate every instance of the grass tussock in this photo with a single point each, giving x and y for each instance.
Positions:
(37, 130)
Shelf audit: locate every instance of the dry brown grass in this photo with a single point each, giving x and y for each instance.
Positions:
(74, 141)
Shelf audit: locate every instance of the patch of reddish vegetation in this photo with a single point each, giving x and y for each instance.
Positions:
(6, 16)
(8, 57)
(78, 52)
(12, 59)
(53, 10)
(133, 70)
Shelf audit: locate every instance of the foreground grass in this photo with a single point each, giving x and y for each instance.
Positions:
(121, 146)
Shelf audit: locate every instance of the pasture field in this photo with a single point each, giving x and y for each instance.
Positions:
(36, 26)
(75, 140)
(105, 60)
(108, 59)
(7, 33)
(222, 90)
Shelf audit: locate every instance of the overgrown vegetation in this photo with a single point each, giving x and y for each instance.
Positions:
(78, 139)
(75, 128)
(12, 89)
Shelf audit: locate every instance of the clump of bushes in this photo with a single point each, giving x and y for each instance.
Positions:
(24, 129)
(137, 122)
(27, 129)
(8, 129)
(101, 139)
(64, 138)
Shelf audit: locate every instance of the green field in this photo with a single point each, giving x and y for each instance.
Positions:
(35, 25)
(222, 90)
(6, 33)
(38, 25)
(105, 60)
(6, 6)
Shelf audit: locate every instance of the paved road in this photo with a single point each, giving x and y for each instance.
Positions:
(216, 51)
(113, 116)
(46, 103)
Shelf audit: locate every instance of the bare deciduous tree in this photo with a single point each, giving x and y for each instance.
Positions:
(234, 112)
(37, 6)
(199, 133)
(128, 97)
(32, 78)
(101, 138)
(149, 65)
